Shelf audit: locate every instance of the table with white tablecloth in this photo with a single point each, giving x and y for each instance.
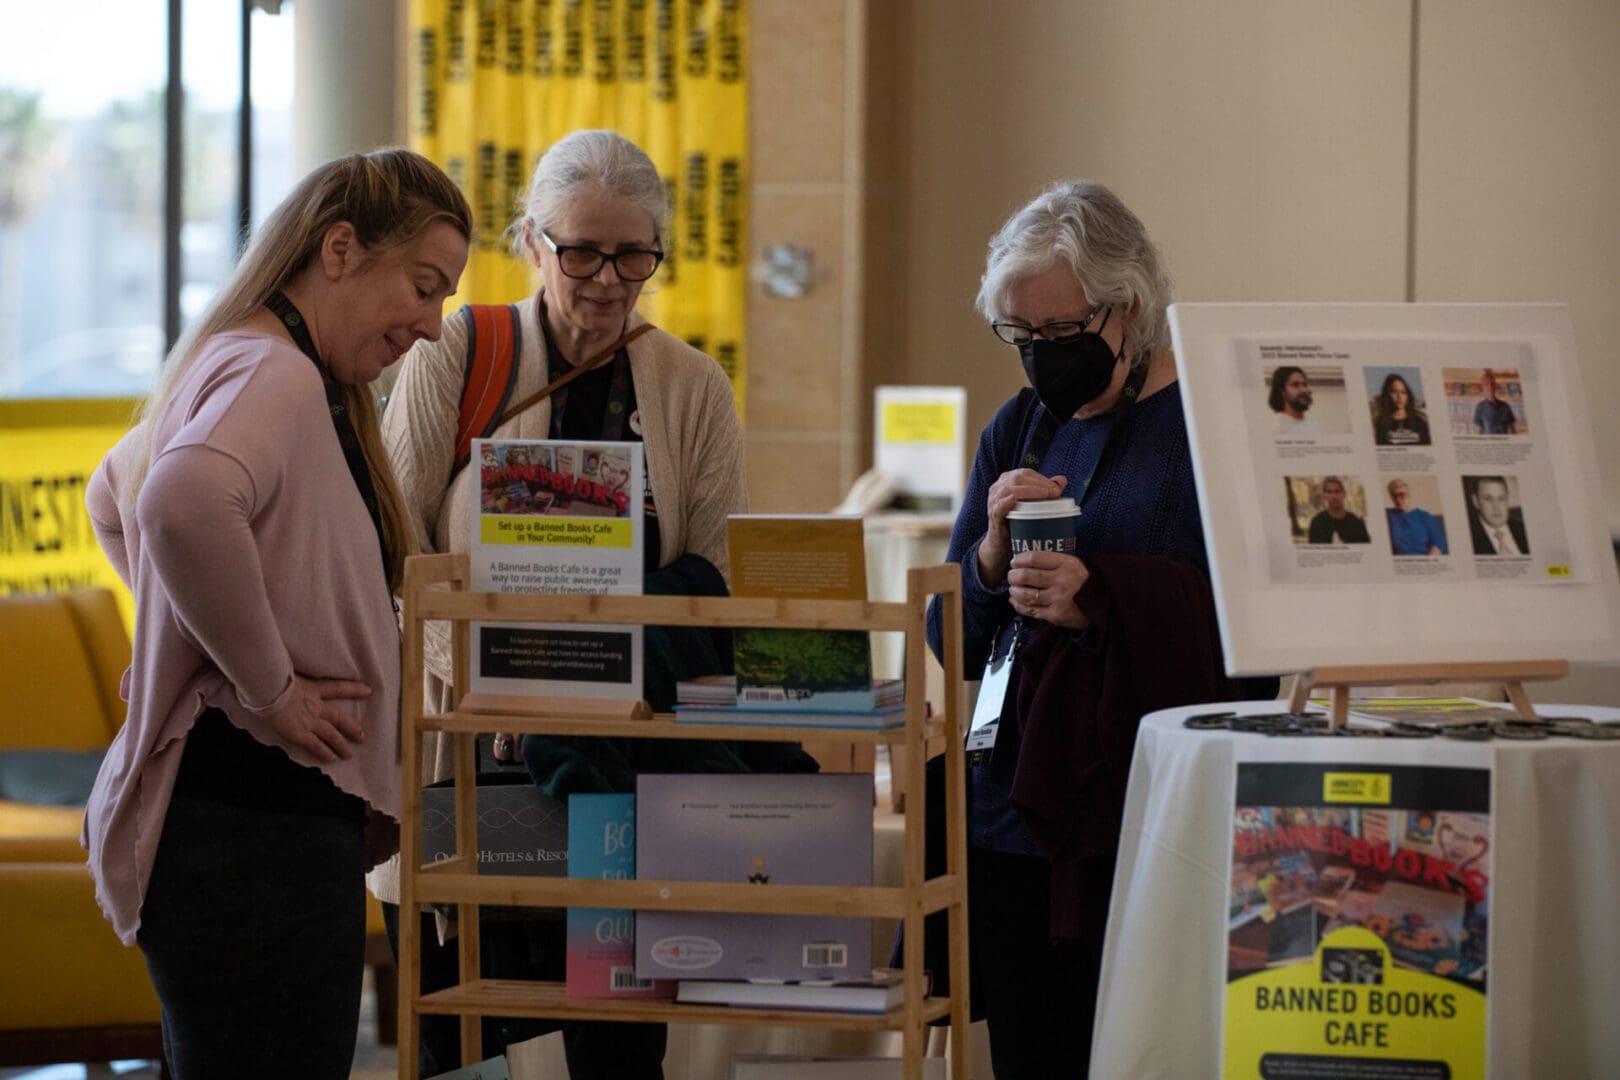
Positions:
(1553, 1004)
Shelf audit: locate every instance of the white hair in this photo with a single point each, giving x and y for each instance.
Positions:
(1084, 225)
(597, 160)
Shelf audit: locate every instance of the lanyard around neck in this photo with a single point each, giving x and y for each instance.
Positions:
(1040, 440)
(342, 422)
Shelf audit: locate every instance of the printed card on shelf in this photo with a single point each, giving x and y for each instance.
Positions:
(557, 517)
(753, 829)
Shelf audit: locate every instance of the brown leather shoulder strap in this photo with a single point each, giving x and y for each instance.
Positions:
(573, 373)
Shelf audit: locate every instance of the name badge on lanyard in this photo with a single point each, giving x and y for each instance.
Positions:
(986, 723)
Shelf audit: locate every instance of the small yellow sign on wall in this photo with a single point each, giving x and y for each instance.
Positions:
(919, 422)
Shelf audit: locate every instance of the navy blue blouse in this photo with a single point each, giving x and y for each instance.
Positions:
(1142, 501)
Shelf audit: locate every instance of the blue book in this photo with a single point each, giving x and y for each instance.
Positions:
(868, 720)
(601, 958)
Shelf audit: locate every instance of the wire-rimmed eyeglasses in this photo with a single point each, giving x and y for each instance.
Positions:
(1018, 333)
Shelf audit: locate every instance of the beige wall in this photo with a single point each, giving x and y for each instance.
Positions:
(1263, 142)
(804, 392)
(1518, 192)
(1518, 174)
(1269, 145)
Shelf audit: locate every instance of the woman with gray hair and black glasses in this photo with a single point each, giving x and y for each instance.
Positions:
(594, 222)
(1096, 638)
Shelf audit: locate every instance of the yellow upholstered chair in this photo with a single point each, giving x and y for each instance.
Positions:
(71, 991)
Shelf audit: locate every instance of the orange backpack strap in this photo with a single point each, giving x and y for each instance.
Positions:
(494, 343)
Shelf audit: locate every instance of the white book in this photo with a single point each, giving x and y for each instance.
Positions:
(780, 1067)
(883, 991)
(493, 1069)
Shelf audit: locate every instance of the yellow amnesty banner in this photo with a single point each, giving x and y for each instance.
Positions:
(48, 449)
(496, 82)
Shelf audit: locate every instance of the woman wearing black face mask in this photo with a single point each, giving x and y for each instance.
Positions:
(1097, 639)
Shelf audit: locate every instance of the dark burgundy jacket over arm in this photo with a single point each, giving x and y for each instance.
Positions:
(1081, 698)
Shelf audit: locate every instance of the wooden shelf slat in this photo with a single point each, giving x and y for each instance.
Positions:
(548, 1000)
(510, 890)
(661, 726)
(438, 884)
(721, 611)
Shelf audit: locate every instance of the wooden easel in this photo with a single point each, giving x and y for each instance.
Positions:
(1511, 674)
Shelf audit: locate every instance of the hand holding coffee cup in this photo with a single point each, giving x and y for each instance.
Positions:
(1046, 574)
(1010, 489)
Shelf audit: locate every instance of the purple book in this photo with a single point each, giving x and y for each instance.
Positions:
(796, 829)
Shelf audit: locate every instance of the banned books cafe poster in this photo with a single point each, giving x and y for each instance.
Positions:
(558, 517)
(1358, 945)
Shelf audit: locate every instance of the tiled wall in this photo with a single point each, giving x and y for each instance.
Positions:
(805, 411)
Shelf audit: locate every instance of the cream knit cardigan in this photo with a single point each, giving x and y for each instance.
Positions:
(690, 435)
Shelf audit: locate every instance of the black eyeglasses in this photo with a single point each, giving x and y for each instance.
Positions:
(581, 262)
(1018, 334)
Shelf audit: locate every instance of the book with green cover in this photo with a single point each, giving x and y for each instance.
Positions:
(800, 557)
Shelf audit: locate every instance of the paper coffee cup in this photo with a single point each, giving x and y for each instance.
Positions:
(1044, 525)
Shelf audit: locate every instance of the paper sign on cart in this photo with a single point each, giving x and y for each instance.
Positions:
(558, 517)
(1358, 921)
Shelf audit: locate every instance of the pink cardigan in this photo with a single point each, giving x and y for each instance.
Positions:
(251, 556)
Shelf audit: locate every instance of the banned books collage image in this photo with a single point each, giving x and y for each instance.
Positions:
(1418, 878)
(1381, 461)
(541, 478)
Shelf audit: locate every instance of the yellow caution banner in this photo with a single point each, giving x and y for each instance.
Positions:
(496, 82)
(48, 449)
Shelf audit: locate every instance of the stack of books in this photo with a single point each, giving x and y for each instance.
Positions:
(882, 991)
(796, 677)
(714, 699)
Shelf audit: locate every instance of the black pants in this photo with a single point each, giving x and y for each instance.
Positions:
(595, 1050)
(1038, 998)
(254, 935)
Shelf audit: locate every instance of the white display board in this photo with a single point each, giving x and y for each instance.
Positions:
(918, 440)
(1346, 525)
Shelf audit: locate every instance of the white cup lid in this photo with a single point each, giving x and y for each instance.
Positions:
(1042, 508)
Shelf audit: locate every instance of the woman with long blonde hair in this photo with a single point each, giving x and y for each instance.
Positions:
(252, 512)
